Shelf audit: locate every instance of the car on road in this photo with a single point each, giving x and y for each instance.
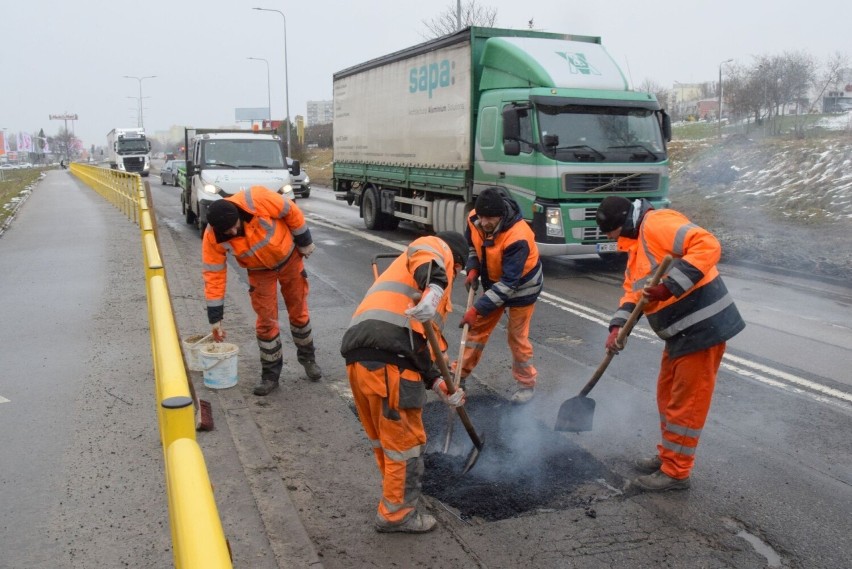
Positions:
(168, 174)
(301, 183)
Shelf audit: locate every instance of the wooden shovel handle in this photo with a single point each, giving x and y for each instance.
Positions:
(628, 326)
(442, 365)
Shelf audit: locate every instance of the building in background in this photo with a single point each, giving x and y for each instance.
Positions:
(320, 112)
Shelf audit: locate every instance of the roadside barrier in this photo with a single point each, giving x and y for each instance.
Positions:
(198, 540)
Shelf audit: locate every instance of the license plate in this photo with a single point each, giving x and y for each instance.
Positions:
(611, 247)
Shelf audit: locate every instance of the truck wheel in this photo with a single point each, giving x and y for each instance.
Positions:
(370, 211)
(190, 215)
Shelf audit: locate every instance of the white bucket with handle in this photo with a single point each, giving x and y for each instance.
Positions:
(219, 364)
(191, 347)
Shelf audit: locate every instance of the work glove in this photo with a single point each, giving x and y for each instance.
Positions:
(469, 317)
(612, 345)
(657, 293)
(472, 280)
(457, 399)
(218, 332)
(428, 305)
(307, 250)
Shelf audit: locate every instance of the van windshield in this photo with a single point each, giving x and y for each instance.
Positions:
(248, 154)
(586, 133)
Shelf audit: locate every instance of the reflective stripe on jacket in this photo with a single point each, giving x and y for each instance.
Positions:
(379, 329)
(512, 274)
(273, 227)
(702, 312)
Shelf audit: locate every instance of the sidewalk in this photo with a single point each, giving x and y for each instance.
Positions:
(85, 480)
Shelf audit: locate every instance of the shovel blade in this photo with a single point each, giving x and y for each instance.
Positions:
(473, 456)
(576, 414)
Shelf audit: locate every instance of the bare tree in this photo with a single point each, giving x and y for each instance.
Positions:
(472, 14)
(651, 86)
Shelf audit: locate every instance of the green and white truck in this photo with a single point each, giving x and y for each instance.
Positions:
(548, 117)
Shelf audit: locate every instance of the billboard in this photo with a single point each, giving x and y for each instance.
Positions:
(251, 114)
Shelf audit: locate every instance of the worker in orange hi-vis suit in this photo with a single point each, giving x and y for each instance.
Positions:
(390, 365)
(690, 309)
(267, 235)
(502, 255)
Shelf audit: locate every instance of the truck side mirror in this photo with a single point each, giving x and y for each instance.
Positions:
(511, 147)
(550, 140)
(296, 168)
(667, 126)
(149, 146)
(511, 124)
(190, 168)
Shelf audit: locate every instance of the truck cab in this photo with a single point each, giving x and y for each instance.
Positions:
(221, 162)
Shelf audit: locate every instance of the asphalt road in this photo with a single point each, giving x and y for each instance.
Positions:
(294, 475)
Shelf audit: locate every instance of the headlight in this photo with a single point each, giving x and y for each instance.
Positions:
(210, 189)
(285, 189)
(553, 223)
(307, 179)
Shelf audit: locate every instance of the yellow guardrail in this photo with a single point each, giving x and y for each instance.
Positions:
(198, 540)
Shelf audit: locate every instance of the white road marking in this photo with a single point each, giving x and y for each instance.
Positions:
(3, 399)
(741, 366)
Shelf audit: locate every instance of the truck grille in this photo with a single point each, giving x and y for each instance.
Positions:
(614, 182)
(134, 164)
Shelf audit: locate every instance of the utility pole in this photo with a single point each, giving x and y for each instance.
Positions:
(719, 118)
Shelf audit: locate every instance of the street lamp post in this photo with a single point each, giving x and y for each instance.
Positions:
(140, 79)
(682, 100)
(268, 91)
(286, 79)
(719, 118)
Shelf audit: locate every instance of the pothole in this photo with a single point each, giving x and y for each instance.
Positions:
(773, 560)
(524, 468)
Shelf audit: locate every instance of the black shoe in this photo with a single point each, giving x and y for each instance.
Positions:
(312, 370)
(265, 387)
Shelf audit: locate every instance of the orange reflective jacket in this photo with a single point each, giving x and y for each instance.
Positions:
(701, 313)
(272, 227)
(380, 330)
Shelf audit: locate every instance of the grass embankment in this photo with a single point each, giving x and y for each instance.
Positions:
(318, 166)
(13, 183)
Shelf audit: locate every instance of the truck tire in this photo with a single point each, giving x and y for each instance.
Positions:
(187, 211)
(370, 209)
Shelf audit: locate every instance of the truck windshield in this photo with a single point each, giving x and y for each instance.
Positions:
(585, 133)
(132, 146)
(257, 154)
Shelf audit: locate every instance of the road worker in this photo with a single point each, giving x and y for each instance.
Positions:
(690, 309)
(503, 255)
(267, 235)
(390, 365)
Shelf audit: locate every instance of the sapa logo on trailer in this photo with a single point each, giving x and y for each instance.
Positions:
(577, 63)
(430, 77)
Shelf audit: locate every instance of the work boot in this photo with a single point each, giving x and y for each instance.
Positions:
(648, 465)
(659, 482)
(522, 395)
(312, 370)
(414, 523)
(265, 387)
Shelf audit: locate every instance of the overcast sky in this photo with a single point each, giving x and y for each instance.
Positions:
(63, 56)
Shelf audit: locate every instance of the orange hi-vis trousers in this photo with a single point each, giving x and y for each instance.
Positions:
(684, 392)
(389, 401)
(518, 332)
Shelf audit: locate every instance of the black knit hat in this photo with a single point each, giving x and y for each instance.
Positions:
(222, 215)
(490, 203)
(612, 213)
(457, 244)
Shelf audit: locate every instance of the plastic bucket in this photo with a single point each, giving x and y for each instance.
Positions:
(219, 364)
(191, 347)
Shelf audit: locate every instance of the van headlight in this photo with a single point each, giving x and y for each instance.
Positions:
(285, 189)
(553, 223)
(307, 179)
(210, 189)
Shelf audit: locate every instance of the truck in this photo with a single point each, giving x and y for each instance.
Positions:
(549, 118)
(222, 162)
(129, 150)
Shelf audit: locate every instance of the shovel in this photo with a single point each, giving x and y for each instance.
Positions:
(457, 377)
(442, 365)
(577, 414)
